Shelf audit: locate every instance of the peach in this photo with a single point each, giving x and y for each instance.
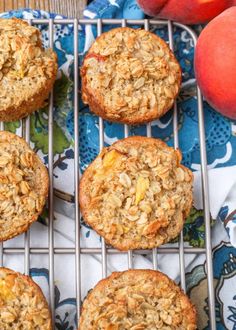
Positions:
(153, 7)
(185, 11)
(215, 63)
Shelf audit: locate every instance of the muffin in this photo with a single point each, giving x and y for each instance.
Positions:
(27, 70)
(136, 194)
(22, 303)
(23, 185)
(137, 300)
(130, 76)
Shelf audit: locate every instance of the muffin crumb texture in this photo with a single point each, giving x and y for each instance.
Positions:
(22, 304)
(136, 194)
(130, 76)
(23, 185)
(137, 300)
(27, 70)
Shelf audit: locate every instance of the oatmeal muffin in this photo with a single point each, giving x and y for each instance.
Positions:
(137, 300)
(136, 194)
(130, 76)
(23, 185)
(22, 303)
(27, 70)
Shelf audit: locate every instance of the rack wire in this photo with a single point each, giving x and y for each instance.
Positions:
(104, 251)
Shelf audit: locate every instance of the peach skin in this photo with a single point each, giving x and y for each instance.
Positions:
(215, 63)
(186, 11)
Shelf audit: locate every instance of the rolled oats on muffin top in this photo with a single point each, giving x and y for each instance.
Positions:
(136, 194)
(130, 76)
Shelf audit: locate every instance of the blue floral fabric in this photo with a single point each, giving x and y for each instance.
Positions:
(220, 142)
(220, 131)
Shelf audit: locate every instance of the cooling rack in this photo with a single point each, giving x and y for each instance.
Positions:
(104, 251)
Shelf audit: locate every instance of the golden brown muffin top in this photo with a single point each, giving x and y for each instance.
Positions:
(23, 185)
(137, 300)
(22, 304)
(130, 76)
(136, 194)
(25, 66)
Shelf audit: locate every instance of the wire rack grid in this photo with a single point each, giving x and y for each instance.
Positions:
(77, 250)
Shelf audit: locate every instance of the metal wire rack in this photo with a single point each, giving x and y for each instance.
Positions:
(77, 250)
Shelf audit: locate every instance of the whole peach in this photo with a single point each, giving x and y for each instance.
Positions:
(215, 63)
(152, 7)
(185, 11)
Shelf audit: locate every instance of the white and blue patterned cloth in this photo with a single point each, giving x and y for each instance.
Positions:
(220, 132)
(221, 149)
